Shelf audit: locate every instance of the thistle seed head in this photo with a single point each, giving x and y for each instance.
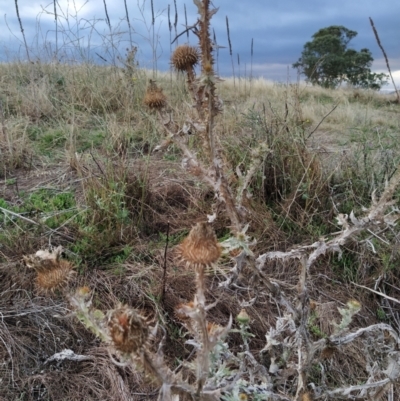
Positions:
(52, 272)
(214, 329)
(128, 329)
(306, 397)
(183, 311)
(154, 97)
(200, 248)
(185, 57)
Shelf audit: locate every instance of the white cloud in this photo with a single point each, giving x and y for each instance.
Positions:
(396, 78)
(379, 66)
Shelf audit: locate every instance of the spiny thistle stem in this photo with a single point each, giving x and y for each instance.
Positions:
(208, 105)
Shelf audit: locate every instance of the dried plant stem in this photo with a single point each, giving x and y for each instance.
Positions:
(216, 180)
(208, 106)
(153, 39)
(217, 49)
(176, 20)
(386, 58)
(186, 21)
(251, 59)
(129, 24)
(3, 123)
(238, 61)
(170, 40)
(323, 119)
(352, 226)
(56, 22)
(258, 156)
(230, 49)
(22, 31)
(111, 33)
(164, 279)
(107, 17)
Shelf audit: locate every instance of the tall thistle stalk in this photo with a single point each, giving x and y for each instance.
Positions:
(211, 167)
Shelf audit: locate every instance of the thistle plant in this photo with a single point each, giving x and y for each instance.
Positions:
(210, 164)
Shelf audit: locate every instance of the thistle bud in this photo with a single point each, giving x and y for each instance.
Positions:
(243, 317)
(354, 305)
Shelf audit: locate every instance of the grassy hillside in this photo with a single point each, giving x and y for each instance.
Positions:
(85, 164)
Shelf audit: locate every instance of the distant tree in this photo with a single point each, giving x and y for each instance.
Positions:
(327, 61)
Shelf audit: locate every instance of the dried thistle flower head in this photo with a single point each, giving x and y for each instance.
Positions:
(52, 272)
(185, 57)
(214, 328)
(154, 97)
(129, 331)
(200, 248)
(306, 397)
(183, 311)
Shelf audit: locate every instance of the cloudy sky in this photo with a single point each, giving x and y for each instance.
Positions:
(279, 29)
